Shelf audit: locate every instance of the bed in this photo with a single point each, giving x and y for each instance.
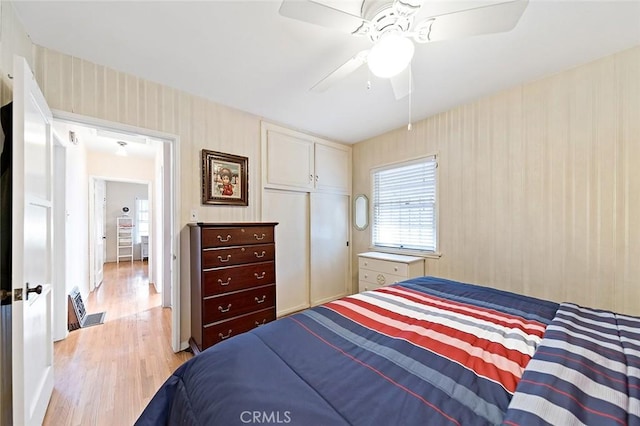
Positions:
(424, 351)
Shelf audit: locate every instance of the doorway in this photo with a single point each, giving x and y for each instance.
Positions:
(92, 157)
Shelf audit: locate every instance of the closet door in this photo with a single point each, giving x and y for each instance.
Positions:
(329, 247)
(289, 161)
(291, 210)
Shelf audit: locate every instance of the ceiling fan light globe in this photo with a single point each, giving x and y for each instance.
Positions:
(390, 55)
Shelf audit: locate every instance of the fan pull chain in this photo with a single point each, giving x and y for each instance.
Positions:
(410, 94)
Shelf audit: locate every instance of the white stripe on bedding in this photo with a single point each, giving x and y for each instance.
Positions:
(634, 330)
(579, 380)
(634, 406)
(521, 341)
(613, 334)
(596, 357)
(614, 347)
(544, 409)
(486, 312)
(499, 361)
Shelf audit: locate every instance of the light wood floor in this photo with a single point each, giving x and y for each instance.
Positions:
(106, 374)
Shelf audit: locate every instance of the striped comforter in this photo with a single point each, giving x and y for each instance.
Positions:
(426, 351)
(586, 371)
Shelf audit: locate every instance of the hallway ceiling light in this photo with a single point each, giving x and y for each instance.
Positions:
(121, 151)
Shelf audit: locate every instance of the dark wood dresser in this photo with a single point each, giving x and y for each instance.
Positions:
(233, 280)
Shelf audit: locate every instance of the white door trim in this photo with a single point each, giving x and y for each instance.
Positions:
(60, 327)
(172, 251)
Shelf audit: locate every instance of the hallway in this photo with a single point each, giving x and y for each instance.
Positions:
(106, 374)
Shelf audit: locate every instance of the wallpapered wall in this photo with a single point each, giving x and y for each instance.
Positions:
(539, 186)
(73, 85)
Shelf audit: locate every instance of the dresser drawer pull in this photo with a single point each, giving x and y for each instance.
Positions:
(224, 260)
(222, 336)
(261, 276)
(259, 237)
(381, 279)
(224, 282)
(224, 240)
(264, 297)
(223, 310)
(261, 255)
(258, 324)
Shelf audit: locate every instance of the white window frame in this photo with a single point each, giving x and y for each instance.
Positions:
(138, 228)
(399, 250)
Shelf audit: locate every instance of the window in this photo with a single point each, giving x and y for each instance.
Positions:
(404, 206)
(142, 219)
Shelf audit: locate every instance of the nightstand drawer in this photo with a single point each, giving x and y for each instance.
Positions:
(379, 278)
(386, 266)
(365, 286)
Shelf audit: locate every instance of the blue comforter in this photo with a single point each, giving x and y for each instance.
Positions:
(425, 351)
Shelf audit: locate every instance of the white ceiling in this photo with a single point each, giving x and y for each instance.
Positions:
(245, 55)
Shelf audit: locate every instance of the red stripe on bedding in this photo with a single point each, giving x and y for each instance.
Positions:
(533, 327)
(425, 334)
(378, 372)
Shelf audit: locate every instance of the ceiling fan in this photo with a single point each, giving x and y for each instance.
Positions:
(393, 26)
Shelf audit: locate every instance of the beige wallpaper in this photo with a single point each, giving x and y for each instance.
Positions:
(81, 87)
(13, 40)
(539, 186)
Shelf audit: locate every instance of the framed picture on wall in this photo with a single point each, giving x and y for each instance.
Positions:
(224, 179)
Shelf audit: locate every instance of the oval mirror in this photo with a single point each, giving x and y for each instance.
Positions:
(361, 212)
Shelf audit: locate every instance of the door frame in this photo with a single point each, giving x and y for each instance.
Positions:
(171, 163)
(60, 327)
(92, 223)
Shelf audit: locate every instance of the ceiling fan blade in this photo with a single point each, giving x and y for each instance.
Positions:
(320, 14)
(341, 72)
(402, 83)
(494, 18)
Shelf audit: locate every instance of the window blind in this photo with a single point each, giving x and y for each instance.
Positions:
(404, 206)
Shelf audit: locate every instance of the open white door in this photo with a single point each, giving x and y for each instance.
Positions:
(99, 232)
(32, 253)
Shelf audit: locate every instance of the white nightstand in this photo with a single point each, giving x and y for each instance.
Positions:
(379, 269)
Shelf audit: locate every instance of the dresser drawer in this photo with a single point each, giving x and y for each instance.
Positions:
(233, 278)
(217, 332)
(379, 278)
(365, 286)
(219, 308)
(237, 236)
(217, 257)
(395, 268)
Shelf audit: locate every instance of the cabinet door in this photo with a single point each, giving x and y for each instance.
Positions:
(329, 250)
(289, 161)
(332, 167)
(291, 211)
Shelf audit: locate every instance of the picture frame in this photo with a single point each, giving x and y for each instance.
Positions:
(224, 179)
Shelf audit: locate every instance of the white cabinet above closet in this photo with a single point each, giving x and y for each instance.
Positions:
(294, 160)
